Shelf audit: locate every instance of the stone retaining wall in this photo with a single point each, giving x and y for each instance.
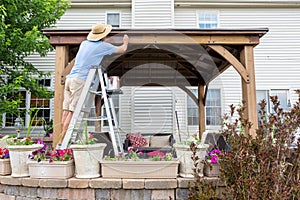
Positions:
(98, 188)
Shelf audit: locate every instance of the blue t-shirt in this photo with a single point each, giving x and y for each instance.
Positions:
(90, 54)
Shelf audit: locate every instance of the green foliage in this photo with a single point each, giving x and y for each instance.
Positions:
(20, 36)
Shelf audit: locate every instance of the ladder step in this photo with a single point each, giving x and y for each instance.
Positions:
(109, 92)
(99, 118)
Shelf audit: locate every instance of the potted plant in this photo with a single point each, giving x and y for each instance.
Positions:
(5, 168)
(20, 148)
(211, 165)
(131, 165)
(184, 155)
(44, 163)
(87, 155)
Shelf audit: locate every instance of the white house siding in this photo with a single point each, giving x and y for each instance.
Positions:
(79, 18)
(152, 13)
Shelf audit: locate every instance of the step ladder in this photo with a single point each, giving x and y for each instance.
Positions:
(81, 113)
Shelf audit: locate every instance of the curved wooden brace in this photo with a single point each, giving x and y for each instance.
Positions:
(190, 93)
(67, 71)
(232, 60)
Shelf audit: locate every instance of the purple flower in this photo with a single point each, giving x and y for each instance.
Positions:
(214, 159)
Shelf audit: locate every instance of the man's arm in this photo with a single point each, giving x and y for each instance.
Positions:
(123, 47)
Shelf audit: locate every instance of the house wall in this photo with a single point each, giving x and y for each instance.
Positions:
(276, 57)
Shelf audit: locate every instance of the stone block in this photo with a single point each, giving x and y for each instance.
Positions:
(12, 190)
(130, 194)
(87, 193)
(30, 182)
(7, 197)
(48, 193)
(182, 194)
(8, 180)
(133, 183)
(28, 192)
(53, 183)
(160, 183)
(105, 183)
(184, 182)
(102, 194)
(78, 183)
(162, 194)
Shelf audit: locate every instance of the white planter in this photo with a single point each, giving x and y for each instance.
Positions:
(211, 169)
(184, 155)
(87, 158)
(5, 167)
(19, 157)
(56, 169)
(139, 169)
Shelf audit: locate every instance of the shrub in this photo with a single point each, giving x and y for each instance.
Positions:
(261, 167)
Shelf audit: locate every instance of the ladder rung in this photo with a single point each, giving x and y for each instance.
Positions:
(114, 91)
(99, 118)
(96, 92)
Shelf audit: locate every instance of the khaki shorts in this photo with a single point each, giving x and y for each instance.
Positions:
(73, 88)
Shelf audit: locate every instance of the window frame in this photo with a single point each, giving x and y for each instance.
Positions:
(28, 98)
(200, 12)
(113, 12)
(196, 106)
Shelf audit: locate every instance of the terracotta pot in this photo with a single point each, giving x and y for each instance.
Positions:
(87, 158)
(139, 169)
(56, 169)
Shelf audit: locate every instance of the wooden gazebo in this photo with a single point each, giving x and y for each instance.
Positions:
(170, 58)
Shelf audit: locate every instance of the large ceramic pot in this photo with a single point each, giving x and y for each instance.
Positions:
(55, 169)
(184, 155)
(139, 169)
(19, 157)
(87, 158)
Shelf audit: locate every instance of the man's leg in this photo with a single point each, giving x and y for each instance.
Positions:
(66, 119)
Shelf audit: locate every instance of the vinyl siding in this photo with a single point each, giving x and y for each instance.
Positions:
(152, 13)
(78, 18)
(152, 110)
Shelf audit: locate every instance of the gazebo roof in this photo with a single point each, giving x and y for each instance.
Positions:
(180, 57)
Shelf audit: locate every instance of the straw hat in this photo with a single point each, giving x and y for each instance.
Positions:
(99, 31)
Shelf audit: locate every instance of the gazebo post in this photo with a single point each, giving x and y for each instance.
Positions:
(62, 58)
(249, 89)
(201, 109)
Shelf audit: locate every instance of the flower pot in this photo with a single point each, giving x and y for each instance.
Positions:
(87, 158)
(184, 154)
(18, 158)
(56, 169)
(5, 167)
(139, 169)
(211, 169)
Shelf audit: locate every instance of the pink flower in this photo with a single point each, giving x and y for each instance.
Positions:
(214, 159)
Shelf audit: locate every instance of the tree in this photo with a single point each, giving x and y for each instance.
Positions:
(20, 36)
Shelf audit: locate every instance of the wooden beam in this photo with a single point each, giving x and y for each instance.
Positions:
(62, 59)
(249, 89)
(232, 60)
(201, 107)
(67, 71)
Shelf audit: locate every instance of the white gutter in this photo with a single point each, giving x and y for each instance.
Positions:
(106, 5)
(239, 3)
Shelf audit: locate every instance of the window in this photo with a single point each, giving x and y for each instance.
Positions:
(282, 94)
(113, 19)
(208, 19)
(213, 108)
(28, 101)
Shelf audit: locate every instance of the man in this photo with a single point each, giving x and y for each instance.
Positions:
(90, 53)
